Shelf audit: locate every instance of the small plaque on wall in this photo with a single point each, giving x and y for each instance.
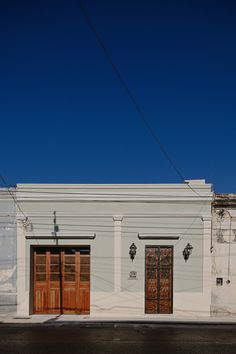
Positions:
(219, 281)
(132, 275)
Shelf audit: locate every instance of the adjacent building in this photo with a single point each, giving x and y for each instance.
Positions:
(8, 263)
(224, 255)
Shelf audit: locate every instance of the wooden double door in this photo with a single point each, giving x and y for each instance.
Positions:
(61, 280)
(158, 279)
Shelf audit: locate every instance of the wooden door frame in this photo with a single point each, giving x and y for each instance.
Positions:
(172, 278)
(31, 270)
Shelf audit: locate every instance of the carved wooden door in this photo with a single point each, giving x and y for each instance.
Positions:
(159, 279)
(61, 281)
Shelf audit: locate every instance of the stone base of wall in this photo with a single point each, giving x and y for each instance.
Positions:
(8, 303)
(133, 304)
(218, 311)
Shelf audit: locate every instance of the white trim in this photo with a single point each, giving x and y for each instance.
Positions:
(117, 253)
(65, 233)
(206, 218)
(159, 236)
(22, 294)
(57, 238)
(207, 261)
(197, 183)
(129, 215)
(114, 198)
(117, 218)
(142, 234)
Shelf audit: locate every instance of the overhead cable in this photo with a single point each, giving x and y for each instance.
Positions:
(129, 92)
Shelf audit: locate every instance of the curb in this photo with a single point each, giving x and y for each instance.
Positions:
(117, 324)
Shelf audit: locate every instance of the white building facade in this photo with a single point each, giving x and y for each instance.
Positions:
(114, 250)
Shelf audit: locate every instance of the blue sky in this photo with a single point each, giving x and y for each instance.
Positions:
(65, 118)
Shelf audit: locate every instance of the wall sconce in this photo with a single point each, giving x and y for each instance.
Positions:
(132, 251)
(187, 251)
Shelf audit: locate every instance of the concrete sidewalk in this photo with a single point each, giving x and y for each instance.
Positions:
(105, 320)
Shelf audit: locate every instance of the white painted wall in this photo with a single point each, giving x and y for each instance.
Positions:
(7, 253)
(117, 214)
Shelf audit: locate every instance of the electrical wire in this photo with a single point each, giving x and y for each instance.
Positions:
(12, 195)
(14, 198)
(129, 92)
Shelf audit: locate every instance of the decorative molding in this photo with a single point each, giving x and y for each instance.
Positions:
(103, 216)
(66, 234)
(117, 218)
(224, 201)
(206, 218)
(117, 252)
(112, 198)
(59, 186)
(156, 237)
(30, 237)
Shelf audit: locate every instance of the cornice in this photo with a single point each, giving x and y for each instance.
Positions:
(113, 199)
(47, 236)
(111, 216)
(61, 234)
(198, 184)
(160, 236)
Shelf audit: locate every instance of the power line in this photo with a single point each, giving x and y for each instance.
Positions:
(12, 195)
(129, 92)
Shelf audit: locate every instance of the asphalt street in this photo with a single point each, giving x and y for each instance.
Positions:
(131, 339)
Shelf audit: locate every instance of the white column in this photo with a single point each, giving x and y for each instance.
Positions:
(22, 294)
(207, 260)
(117, 252)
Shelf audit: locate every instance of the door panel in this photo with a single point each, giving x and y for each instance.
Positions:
(40, 283)
(151, 287)
(84, 291)
(70, 274)
(165, 281)
(54, 283)
(61, 281)
(41, 299)
(158, 279)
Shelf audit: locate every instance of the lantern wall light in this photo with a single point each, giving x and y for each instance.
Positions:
(132, 251)
(187, 251)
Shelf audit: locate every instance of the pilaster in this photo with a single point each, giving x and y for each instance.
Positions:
(117, 252)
